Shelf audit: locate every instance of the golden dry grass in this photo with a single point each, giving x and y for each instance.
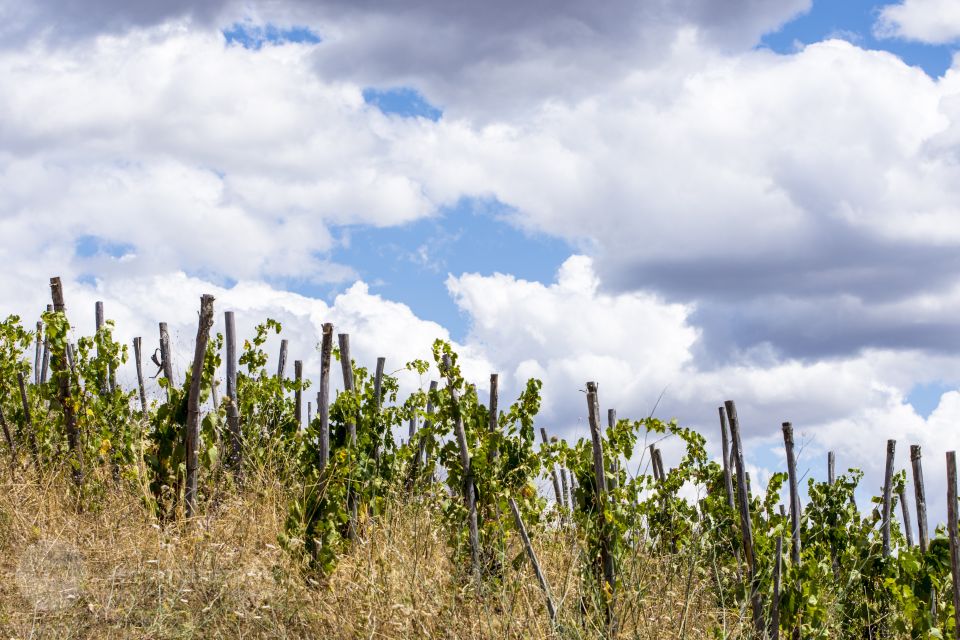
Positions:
(113, 572)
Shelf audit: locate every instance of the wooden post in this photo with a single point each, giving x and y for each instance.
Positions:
(469, 491)
(59, 365)
(71, 360)
(107, 385)
(606, 553)
(422, 454)
(615, 462)
(887, 497)
(39, 354)
(233, 406)
(166, 357)
(954, 542)
(653, 463)
(45, 364)
(565, 484)
(907, 526)
(746, 525)
(215, 394)
(323, 395)
(831, 464)
(920, 496)
(658, 461)
(794, 494)
(298, 394)
(377, 393)
(192, 435)
(775, 605)
(494, 409)
(411, 428)
(346, 367)
(309, 412)
(282, 360)
(551, 610)
(27, 418)
(727, 473)
(138, 358)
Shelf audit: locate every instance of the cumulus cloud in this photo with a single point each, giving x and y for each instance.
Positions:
(931, 21)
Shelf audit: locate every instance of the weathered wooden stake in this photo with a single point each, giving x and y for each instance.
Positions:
(746, 525)
(553, 470)
(166, 357)
(727, 472)
(615, 462)
(298, 394)
(107, 385)
(551, 610)
(8, 436)
(59, 365)
(954, 542)
(658, 461)
(138, 359)
(565, 484)
(831, 465)
(27, 418)
(39, 353)
(775, 605)
(606, 553)
(323, 395)
(282, 359)
(45, 360)
(233, 407)
(494, 410)
(346, 367)
(919, 493)
(794, 493)
(309, 412)
(192, 435)
(907, 523)
(469, 490)
(422, 454)
(888, 497)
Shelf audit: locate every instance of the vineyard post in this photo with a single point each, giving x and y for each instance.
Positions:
(138, 359)
(920, 496)
(725, 444)
(615, 461)
(907, 525)
(71, 360)
(377, 388)
(59, 366)
(565, 484)
(346, 366)
(653, 463)
(887, 497)
(309, 412)
(323, 395)
(494, 410)
(39, 354)
(298, 394)
(831, 468)
(794, 506)
(553, 470)
(411, 428)
(233, 407)
(775, 605)
(469, 491)
(215, 394)
(107, 385)
(165, 357)
(192, 436)
(606, 552)
(531, 554)
(421, 457)
(282, 360)
(658, 462)
(45, 365)
(954, 542)
(745, 522)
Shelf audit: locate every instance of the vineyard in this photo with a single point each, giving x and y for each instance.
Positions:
(253, 511)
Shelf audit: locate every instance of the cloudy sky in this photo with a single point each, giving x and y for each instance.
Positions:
(685, 200)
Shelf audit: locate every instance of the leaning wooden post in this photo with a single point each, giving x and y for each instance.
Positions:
(45, 360)
(62, 375)
(233, 407)
(920, 496)
(469, 491)
(746, 524)
(653, 463)
(954, 542)
(494, 409)
(727, 472)
(165, 357)
(298, 394)
(775, 605)
(888, 497)
(599, 471)
(907, 523)
(192, 436)
(39, 353)
(323, 395)
(27, 419)
(541, 578)
(658, 461)
(138, 358)
(282, 359)
(346, 367)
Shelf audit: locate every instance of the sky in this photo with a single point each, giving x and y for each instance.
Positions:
(686, 201)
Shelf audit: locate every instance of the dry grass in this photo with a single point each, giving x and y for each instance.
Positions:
(113, 572)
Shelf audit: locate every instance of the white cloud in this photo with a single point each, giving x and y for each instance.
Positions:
(931, 21)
